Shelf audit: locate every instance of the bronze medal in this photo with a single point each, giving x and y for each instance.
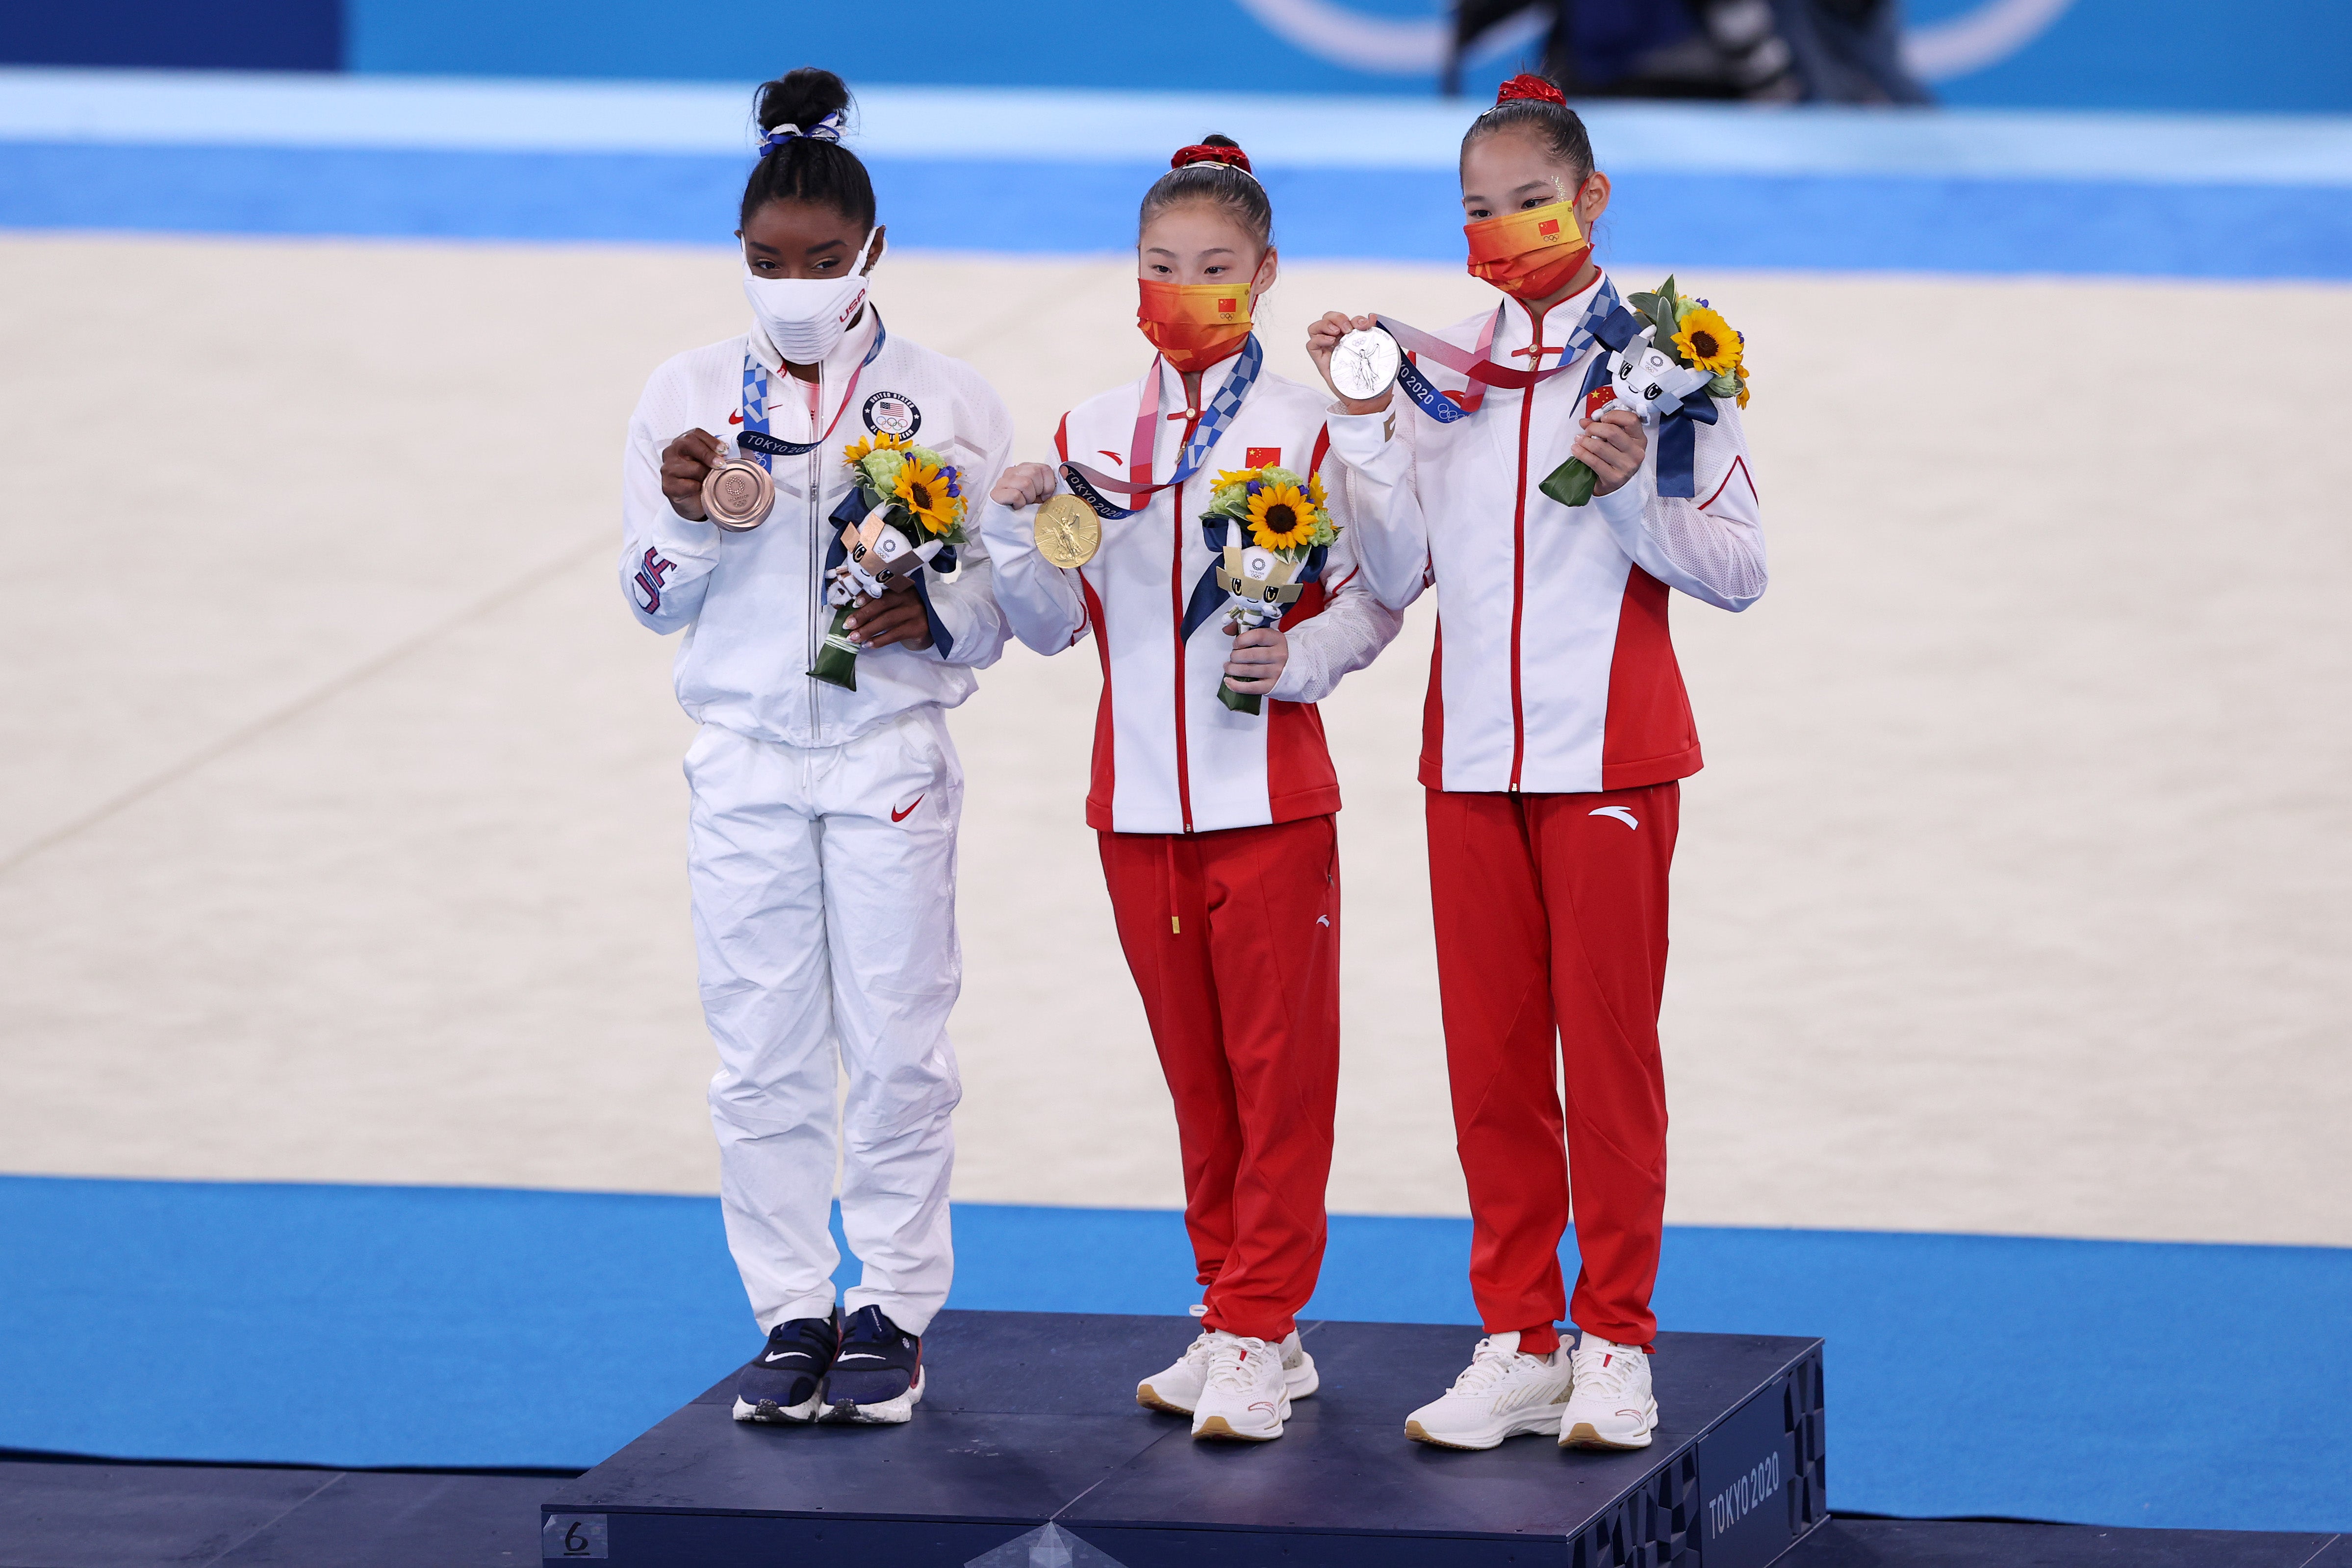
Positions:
(1068, 532)
(738, 493)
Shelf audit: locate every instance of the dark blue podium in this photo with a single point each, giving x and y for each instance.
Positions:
(1031, 1420)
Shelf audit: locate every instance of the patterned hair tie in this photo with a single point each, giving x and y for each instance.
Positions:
(825, 129)
(1531, 87)
(1201, 152)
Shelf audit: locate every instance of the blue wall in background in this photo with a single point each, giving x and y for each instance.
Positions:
(245, 34)
(2275, 56)
(2250, 55)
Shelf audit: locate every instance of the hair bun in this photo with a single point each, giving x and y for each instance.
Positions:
(802, 97)
(1526, 85)
(1213, 149)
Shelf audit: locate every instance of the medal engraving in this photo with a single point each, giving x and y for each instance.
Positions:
(1068, 532)
(1364, 365)
(738, 493)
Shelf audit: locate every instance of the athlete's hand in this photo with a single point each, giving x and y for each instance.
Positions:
(1322, 337)
(1612, 446)
(1258, 656)
(684, 463)
(1023, 485)
(896, 617)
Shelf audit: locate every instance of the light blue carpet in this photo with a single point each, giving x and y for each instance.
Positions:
(2104, 1382)
(1943, 224)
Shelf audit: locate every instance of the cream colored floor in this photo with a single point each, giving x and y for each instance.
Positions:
(341, 828)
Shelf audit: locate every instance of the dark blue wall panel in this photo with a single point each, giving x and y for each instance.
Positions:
(240, 34)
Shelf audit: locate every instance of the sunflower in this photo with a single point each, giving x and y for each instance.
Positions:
(1707, 341)
(1315, 488)
(880, 441)
(925, 493)
(1234, 476)
(1281, 518)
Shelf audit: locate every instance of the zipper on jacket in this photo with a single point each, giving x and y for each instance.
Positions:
(1178, 599)
(816, 613)
(1520, 558)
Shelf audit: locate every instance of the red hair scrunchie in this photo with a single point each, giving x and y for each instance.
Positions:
(1525, 86)
(1201, 152)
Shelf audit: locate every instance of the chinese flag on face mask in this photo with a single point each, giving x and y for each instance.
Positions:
(1193, 325)
(1528, 254)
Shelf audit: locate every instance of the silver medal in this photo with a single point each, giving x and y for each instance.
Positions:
(1364, 365)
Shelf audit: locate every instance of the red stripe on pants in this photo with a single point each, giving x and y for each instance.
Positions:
(1551, 926)
(1234, 939)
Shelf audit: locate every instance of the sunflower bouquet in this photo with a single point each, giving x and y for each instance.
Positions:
(908, 505)
(1276, 528)
(1674, 349)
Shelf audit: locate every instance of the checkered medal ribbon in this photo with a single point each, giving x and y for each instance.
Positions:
(1088, 484)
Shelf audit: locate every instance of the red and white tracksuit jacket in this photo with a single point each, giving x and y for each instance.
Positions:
(1555, 729)
(1217, 827)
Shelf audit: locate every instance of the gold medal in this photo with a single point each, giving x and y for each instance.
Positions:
(738, 493)
(1068, 532)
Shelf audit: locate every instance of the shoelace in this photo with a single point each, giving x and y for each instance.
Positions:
(1229, 1362)
(1490, 1363)
(1201, 1347)
(1605, 1371)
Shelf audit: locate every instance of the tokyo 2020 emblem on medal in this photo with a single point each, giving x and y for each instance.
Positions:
(738, 493)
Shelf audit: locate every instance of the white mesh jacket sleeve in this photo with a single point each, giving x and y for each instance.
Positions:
(1376, 484)
(1346, 634)
(666, 559)
(1040, 601)
(1710, 546)
(966, 602)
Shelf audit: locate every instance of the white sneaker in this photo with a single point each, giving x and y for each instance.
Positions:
(1246, 1394)
(1502, 1392)
(1177, 1388)
(1612, 1406)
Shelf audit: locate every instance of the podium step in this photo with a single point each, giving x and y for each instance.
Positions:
(1030, 1419)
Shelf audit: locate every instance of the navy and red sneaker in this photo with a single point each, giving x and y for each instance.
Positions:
(782, 1385)
(878, 1374)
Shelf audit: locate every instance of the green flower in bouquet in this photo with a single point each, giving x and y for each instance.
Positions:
(1283, 512)
(923, 489)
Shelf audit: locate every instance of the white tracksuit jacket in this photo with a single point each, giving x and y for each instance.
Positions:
(1169, 758)
(1554, 671)
(822, 826)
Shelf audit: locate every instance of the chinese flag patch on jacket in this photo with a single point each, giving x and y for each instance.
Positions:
(1263, 458)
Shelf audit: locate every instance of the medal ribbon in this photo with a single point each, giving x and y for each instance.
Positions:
(1480, 370)
(755, 438)
(1086, 483)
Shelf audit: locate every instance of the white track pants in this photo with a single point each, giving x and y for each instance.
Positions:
(825, 916)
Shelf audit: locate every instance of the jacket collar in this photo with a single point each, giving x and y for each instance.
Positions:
(1518, 328)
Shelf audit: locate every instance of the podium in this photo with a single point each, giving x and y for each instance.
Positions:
(1029, 1451)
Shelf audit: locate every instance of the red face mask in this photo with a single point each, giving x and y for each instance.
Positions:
(1195, 325)
(1528, 255)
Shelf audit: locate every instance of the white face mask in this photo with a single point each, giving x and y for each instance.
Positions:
(805, 317)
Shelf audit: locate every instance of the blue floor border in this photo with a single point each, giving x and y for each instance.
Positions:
(1866, 222)
(2103, 1381)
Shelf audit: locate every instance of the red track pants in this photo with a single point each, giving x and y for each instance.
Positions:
(1551, 926)
(1234, 938)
